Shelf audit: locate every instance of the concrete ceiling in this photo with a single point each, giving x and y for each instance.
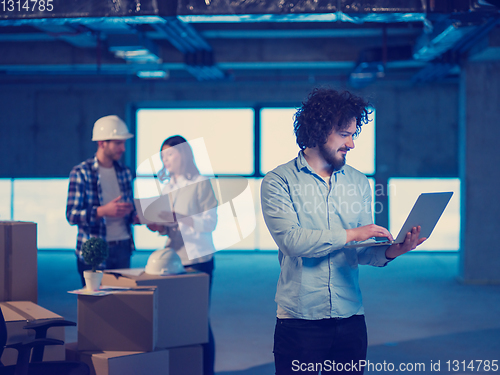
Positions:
(202, 40)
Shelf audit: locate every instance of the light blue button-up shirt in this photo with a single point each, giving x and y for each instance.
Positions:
(308, 221)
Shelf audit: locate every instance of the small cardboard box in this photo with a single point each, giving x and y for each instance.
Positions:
(120, 363)
(122, 321)
(18, 261)
(17, 314)
(72, 353)
(182, 304)
(186, 360)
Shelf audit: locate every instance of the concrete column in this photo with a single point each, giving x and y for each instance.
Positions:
(479, 165)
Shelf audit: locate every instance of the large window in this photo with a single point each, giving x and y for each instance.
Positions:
(278, 143)
(225, 138)
(237, 224)
(43, 201)
(222, 141)
(362, 157)
(5, 198)
(403, 192)
(224, 146)
(277, 140)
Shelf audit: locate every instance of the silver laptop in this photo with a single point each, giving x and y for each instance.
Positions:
(425, 212)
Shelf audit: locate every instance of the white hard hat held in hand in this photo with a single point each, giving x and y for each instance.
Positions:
(110, 128)
(164, 262)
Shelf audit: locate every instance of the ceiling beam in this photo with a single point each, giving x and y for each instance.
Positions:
(319, 33)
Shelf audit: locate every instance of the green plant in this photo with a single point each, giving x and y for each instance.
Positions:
(94, 252)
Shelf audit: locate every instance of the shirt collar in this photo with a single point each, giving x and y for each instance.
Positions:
(179, 181)
(302, 163)
(95, 164)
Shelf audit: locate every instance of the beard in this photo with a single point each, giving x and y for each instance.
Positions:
(113, 155)
(337, 161)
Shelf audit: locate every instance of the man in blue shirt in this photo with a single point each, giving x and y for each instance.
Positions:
(313, 206)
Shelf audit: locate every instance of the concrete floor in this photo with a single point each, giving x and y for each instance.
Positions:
(418, 314)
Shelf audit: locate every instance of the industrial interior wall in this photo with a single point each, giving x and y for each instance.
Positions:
(46, 128)
(479, 160)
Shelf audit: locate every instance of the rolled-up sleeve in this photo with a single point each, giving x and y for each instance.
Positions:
(373, 255)
(77, 210)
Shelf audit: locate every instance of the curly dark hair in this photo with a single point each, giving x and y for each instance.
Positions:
(324, 110)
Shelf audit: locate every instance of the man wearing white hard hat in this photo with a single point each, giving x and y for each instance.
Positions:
(100, 200)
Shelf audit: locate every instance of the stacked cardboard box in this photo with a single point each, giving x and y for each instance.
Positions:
(119, 331)
(19, 290)
(125, 320)
(182, 304)
(175, 361)
(156, 326)
(18, 261)
(122, 362)
(186, 360)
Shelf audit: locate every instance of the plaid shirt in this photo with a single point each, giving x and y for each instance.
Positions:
(85, 195)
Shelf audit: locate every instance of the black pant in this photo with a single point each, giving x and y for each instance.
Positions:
(208, 348)
(330, 345)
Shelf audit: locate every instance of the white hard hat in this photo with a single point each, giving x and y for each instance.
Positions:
(109, 128)
(164, 262)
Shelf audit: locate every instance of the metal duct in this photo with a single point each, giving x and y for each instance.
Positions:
(442, 39)
(234, 7)
(372, 62)
(133, 48)
(301, 10)
(135, 30)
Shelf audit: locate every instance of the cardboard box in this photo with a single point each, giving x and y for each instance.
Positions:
(182, 304)
(17, 314)
(18, 261)
(122, 321)
(72, 353)
(187, 360)
(121, 363)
